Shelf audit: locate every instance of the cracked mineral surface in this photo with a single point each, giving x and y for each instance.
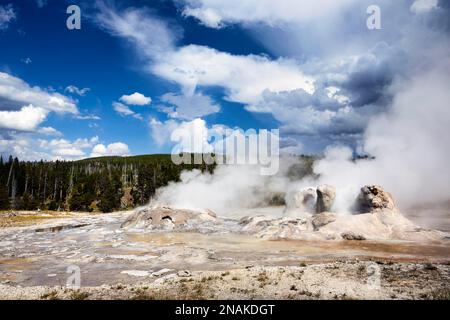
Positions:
(110, 250)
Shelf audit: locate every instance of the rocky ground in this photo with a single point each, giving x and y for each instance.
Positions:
(166, 253)
(336, 280)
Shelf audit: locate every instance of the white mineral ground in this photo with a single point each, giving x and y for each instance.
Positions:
(294, 252)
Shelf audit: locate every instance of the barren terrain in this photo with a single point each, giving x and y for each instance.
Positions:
(118, 263)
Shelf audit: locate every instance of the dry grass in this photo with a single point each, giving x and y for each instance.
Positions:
(439, 294)
(79, 295)
(52, 295)
(26, 219)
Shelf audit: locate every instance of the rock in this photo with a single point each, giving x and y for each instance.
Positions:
(322, 219)
(352, 236)
(374, 198)
(325, 198)
(61, 227)
(136, 273)
(303, 200)
(184, 273)
(267, 228)
(166, 218)
(161, 272)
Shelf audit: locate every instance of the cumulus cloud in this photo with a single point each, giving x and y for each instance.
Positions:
(161, 131)
(23, 147)
(26, 119)
(188, 107)
(185, 136)
(113, 149)
(7, 14)
(68, 149)
(347, 94)
(75, 90)
(136, 99)
(27, 147)
(23, 107)
(191, 137)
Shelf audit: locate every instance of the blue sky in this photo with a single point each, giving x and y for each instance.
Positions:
(317, 74)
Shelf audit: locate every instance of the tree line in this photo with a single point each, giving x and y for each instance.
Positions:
(101, 184)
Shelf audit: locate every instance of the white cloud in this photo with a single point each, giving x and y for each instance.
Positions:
(423, 6)
(87, 117)
(153, 37)
(49, 131)
(18, 93)
(24, 146)
(207, 16)
(215, 14)
(188, 107)
(243, 77)
(75, 90)
(113, 149)
(7, 14)
(81, 143)
(23, 107)
(26, 119)
(191, 137)
(68, 153)
(348, 86)
(161, 131)
(136, 99)
(184, 136)
(124, 110)
(66, 149)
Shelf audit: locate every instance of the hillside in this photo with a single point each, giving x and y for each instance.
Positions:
(96, 184)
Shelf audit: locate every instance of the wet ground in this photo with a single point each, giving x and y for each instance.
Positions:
(106, 254)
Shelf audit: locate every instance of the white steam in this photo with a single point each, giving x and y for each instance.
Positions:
(409, 143)
(230, 188)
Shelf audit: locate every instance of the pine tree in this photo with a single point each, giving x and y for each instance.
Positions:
(4, 198)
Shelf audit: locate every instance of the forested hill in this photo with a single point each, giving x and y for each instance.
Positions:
(97, 184)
